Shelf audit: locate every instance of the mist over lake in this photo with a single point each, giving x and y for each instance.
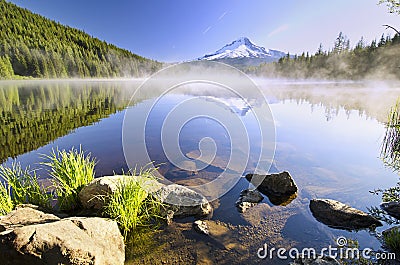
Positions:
(328, 136)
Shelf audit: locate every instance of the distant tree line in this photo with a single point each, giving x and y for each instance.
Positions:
(379, 59)
(392, 5)
(34, 46)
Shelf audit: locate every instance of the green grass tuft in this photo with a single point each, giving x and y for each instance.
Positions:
(6, 203)
(71, 171)
(22, 186)
(390, 151)
(131, 205)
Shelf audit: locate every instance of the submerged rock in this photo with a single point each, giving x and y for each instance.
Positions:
(280, 188)
(392, 208)
(201, 227)
(49, 240)
(339, 215)
(183, 201)
(247, 199)
(325, 260)
(93, 195)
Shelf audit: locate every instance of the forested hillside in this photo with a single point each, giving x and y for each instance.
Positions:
(379, 59)
(34, 46)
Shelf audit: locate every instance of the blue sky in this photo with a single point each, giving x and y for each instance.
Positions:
(176, 30)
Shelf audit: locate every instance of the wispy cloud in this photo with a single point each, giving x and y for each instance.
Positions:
(222, 16)
(279, 29)
(219, 19)
(206, 30)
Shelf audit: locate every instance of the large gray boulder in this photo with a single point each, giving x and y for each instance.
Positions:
(93, 196)
(280, 187)
(392, 208)
(179, 199)
(339, 215)
(46, 239)
(183, 201)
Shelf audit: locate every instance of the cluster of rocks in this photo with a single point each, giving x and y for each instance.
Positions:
(281, 189)
(30, 236)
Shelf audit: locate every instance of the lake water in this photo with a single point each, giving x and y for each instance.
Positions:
(328, 136)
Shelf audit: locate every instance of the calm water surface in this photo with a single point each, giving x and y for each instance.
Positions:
(328, 136)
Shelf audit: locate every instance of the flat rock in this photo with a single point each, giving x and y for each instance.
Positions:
(280, 188)
(183, 201)
(247, 199)
(392, 208)
(93, 195)
(76, 240)
(339, 215)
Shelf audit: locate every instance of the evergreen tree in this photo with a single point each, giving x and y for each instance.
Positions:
(40, 47)
(6, 70)
(393, 5)
(342, 62)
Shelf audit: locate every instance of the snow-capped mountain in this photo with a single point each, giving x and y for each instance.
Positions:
(243, 48)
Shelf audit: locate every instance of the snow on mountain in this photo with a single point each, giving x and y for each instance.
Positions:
(243, 48)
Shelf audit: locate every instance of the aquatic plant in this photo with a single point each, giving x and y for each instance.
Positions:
(71, 171)
(391, 240)
(391, 157)
(391, 143)
(131, 205)
(6, 204)
(390, 154)
(22, 186)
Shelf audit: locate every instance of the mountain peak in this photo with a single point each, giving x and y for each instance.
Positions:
(243, 48)
(244, 40)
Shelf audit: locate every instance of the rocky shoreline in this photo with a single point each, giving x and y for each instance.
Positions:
(30, 235)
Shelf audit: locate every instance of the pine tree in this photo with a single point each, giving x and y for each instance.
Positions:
(6, 70)
(39, 47)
